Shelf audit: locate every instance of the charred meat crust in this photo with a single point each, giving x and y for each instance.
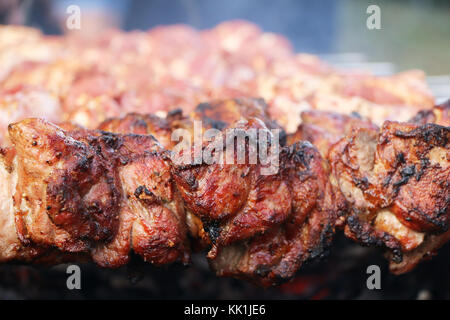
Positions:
(263, 227)
(406, 174)
(64, 185)
(96, 193)
(440, 114)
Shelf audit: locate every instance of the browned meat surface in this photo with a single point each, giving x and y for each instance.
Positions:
(405, 88)
(440, 114)
(215, 115)
(397, 183)
(134, 123)
(66, 194)
(122, 189)
(218, 114)
(89, 192)
(152, 219)
(397, 97)
(73, 193)
(262, 227)
(325, 128)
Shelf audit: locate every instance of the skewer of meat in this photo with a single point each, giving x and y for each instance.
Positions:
(258, 227)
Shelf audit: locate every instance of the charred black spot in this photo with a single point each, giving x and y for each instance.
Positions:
(387, 180)
(400, 158)
(423, 165)
(367, 236)
(174, 112)
(321, 249)
(245, 173)
(111, 140)
(140, 190)
(437, 219)
(300, 153)
(361, 183)
(262, 270)
(215, 124)
(213, 229)
(203, 107)
(430, 133)
(397, 255)
(423, 117)
(406, 173)
(191, 181)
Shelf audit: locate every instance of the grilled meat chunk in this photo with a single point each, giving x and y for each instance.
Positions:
(11, 246)
(397, 97)
(262, 225)
(213, 117)
(325, 128)
(66, 194)
(89, 192)
(220, 114)
(397, 183)
(151, 219)
(134, 123)
(440, 114)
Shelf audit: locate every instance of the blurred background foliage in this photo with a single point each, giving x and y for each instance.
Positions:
(414, 34)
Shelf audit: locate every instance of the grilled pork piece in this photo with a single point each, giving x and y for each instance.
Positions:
(325, 128)
(218, 114)
(90, 192)
(134, 123)
(397, 183)
(66, 195)
(440, 114)
(262, 227)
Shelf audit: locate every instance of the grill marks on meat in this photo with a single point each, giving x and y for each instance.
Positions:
(91, 192)
(397, 183)
(261, 227)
